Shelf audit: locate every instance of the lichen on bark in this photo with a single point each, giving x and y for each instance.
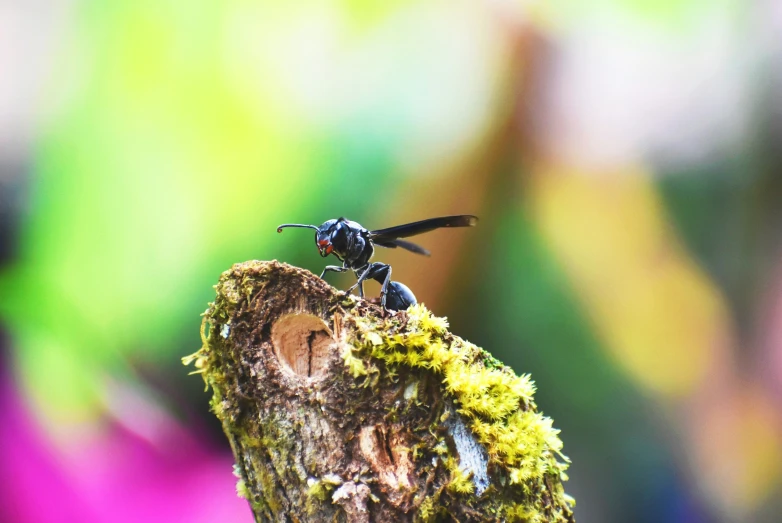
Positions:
(339, 411)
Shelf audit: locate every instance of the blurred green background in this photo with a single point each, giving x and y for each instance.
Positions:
(624, 159)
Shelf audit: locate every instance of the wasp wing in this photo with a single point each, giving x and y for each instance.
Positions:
(393, 244)
(411, 229)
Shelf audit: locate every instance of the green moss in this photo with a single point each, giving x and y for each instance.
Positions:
(496, 404)
(268, 496)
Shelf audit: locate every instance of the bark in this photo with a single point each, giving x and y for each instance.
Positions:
(339, 411)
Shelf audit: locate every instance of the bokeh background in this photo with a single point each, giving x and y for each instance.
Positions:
(624, 158)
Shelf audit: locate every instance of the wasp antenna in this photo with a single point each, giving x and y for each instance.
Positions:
(281, 227)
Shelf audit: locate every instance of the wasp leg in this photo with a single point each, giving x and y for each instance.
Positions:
(381, 273)
(384, 287)
(360, 282)
(332, 268)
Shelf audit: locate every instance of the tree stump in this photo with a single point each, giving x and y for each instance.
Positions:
(339, 411)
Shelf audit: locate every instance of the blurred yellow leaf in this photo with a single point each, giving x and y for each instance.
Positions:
(658, 313)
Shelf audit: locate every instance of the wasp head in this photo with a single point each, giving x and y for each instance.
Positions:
(332, 236)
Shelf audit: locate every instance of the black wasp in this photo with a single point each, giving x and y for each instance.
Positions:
(354, 246)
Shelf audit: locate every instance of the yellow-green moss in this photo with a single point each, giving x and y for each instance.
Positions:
(496, 404)
(319, 488)
(316, 489)
(199, 357)
(241, 485)
(427, 510)
(460, 481)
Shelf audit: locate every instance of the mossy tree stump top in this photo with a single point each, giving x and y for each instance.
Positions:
(339, 411)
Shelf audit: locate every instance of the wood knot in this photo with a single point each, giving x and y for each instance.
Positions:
(302, 343)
